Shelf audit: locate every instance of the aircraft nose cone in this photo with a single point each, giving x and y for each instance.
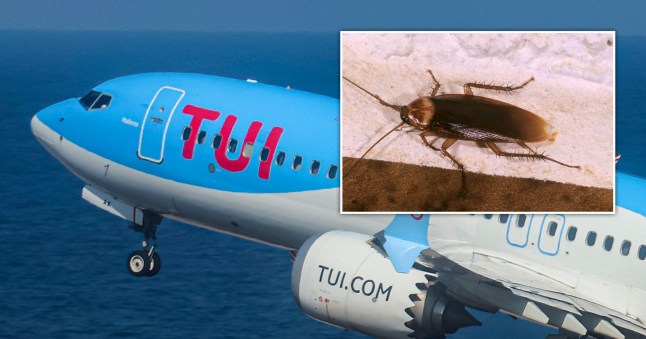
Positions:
(43, 125)
(34, 125)
(40, 131)
(48, 123)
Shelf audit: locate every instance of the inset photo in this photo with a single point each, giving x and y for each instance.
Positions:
(478, 122)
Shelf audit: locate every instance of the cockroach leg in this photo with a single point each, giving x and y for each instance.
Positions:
(445, 146)
(560, 163)
(463, 176)
(532, 155)
(432, 146)
(502, 153)
(524, 145)
(436, 85)
(444, 150)
(468, 91)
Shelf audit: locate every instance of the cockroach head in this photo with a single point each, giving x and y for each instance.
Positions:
(418, 113)
(403, 114)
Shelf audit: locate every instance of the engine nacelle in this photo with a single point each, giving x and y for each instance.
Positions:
(341, 279)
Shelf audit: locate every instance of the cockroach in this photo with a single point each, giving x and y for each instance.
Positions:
(470, 117)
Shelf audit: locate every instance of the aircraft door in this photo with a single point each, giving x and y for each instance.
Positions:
(549, 238)
(156, 121)
(518, 230)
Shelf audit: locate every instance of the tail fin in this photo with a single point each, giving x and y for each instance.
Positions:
(404, 239)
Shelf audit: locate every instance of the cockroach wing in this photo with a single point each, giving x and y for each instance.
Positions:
(464, 132)
(490, 117)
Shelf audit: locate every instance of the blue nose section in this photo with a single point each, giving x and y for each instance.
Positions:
(48, 125)
(42, 130)
(55, 117)
(57, 113)
(40, 126)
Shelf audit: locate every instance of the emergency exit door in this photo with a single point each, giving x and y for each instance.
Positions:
(549, 239)
(154, 126)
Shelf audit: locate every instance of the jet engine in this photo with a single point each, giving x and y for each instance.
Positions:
(343, 279)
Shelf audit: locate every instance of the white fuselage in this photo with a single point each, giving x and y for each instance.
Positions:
(281, 219)
(287, 220)
(610, 275)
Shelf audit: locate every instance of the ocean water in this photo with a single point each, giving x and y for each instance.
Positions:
(63, 262)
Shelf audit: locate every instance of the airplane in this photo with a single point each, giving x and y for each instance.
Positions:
(261, 162)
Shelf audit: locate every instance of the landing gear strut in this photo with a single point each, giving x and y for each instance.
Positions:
(146, 262)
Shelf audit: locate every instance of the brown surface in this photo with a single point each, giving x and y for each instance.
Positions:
(381, 186)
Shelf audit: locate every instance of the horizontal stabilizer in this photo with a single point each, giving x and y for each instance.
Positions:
(404, 239)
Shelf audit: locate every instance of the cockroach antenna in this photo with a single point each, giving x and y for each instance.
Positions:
(395, 107)
(371, 147)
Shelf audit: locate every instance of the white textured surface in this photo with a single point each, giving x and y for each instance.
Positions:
(573, 91)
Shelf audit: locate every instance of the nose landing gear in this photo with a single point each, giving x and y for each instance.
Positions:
(146, 262)
(142, 263)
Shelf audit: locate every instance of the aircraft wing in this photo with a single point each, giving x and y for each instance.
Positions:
(580, 307)
(531, 294)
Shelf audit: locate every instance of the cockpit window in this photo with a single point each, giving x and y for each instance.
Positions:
(89, 99)
(102, 102)
(95, 100)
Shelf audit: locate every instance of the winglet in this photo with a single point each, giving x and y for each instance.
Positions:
(404, 239)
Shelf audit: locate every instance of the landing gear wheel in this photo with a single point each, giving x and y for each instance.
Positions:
(146, 262)
(155, 265)
(139, 263)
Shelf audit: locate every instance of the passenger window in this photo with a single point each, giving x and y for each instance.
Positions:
(488, 216)
(331, 172)
(551, 228)
(642, 252)
(264, 154)
(520, 222)
(625, 248)
(201, 137)
(247, 150)
(186, 133)
(217, 140)
(280, 158)
(571, 233)
(607, 244)
(503, 218)
(298, 160)
(591, 239)
(233, 144)
(314, 169)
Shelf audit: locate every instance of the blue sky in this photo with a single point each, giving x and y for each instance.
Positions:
(627, 17)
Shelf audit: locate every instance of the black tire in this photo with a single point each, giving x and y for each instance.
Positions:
(155, 265)
(138, 263)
